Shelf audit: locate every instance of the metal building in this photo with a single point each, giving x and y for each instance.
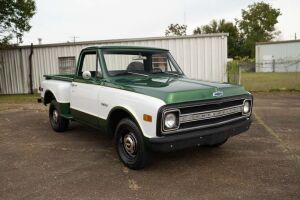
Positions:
(201, 57)
(279, 56)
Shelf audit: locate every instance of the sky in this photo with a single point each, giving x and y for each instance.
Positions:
(62, 20)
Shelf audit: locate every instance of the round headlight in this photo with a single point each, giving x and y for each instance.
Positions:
(170, 120)
(246, 108)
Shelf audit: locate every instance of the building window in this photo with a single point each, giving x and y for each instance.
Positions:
(67, 65)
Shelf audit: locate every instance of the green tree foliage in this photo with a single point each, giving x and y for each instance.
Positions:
(176, 30)
(257, 25)
(222, 26)
(14, 19)
(197, 31)
(212, 27)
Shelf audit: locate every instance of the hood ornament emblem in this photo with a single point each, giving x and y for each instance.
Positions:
(217, 93)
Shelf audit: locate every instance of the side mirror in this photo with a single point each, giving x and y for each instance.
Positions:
(86, 75)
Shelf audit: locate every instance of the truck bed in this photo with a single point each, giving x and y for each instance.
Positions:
(61, 77)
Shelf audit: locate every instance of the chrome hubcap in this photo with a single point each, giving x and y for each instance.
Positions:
(55, 116)
(129, 143)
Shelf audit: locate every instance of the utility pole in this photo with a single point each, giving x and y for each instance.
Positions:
(74, 38)
(30, 69)
(295, 36)
(184, 13)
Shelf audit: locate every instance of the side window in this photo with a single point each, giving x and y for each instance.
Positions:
(90, 62)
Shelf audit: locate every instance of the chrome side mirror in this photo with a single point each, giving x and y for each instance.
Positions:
(86, 75)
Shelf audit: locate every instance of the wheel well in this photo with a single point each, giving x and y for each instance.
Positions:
(116, 116)
(48, 97)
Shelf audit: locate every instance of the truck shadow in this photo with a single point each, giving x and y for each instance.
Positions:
(191, 156)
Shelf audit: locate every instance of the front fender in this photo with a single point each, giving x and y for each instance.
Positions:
(134, 103)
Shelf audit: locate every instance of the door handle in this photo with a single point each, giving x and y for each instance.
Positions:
(73, 85)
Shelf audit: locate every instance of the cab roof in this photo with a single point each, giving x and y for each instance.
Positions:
(127, 48)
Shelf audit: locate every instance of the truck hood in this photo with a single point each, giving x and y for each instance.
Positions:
(179, 89)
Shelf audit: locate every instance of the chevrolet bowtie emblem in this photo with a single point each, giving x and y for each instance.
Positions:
(218, 93)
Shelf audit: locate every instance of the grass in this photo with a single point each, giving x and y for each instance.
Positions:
(271, 81)
(254, 82)
(19, 98)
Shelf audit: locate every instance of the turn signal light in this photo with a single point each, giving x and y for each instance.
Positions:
(147, 118)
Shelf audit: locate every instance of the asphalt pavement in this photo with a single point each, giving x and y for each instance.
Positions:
(262, 163)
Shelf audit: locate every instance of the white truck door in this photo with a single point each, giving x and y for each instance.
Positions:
(84, 92)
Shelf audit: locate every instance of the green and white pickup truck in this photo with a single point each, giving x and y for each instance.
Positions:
(142, 98)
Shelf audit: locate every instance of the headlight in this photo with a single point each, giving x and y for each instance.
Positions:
(246, 108)
(170, 120)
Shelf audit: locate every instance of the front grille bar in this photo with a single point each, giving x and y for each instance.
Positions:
(210, 114)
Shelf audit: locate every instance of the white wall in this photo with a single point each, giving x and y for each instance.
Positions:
(278, 56)
(201, 57)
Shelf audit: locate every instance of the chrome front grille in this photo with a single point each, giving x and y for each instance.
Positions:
(208, 114)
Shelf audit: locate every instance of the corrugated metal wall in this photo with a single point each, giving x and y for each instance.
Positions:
(201, 57)
(281, 56)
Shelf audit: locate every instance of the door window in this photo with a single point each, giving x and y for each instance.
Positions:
(90, 62)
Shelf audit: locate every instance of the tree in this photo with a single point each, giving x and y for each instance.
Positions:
(197, 31)
(212, 27)
(14, 19)
(257, 25)
(222, 26)
(176, 30)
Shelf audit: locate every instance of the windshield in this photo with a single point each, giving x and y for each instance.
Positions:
(140, 63)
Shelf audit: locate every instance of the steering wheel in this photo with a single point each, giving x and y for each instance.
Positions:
(156, 70)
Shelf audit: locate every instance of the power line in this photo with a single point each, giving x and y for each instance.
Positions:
(74, 38)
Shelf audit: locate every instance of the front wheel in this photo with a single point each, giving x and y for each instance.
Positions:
(58, 123)
(130, 145)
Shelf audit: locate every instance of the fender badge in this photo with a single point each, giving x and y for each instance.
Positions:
(218, 93)
(104, 104)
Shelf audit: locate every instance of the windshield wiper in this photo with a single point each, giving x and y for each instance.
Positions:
(176, 74)
(138, 74)
(126, 72)
(172, 73)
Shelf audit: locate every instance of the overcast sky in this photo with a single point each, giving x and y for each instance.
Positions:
(60, 20)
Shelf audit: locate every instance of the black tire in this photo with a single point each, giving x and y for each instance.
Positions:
(130, 145)
(58, 123)
(218, 144)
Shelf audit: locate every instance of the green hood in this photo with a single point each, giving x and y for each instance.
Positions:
(177, 89)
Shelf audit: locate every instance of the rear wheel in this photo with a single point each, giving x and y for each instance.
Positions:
(58, 123)
(130, 145)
